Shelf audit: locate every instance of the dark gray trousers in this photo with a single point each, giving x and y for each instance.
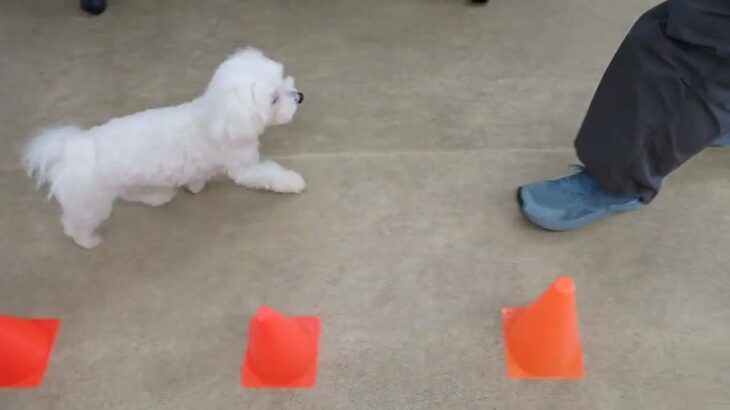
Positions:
(663, 98)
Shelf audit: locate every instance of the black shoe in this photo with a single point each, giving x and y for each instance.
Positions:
(94, 7)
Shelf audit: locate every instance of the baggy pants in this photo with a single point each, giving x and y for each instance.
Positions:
(663, 98)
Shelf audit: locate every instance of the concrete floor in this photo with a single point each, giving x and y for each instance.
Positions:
(421, 119)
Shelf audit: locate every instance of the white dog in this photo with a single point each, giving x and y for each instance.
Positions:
(147, 156)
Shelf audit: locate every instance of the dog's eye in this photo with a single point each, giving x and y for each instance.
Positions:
(275, 100)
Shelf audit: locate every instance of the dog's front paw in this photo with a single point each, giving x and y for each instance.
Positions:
(88, 241)
(195, 186)
(289, 182)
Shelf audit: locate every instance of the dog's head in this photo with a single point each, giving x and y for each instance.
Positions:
(248, 93)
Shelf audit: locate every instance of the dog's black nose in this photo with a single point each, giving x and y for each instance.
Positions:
(299, 97)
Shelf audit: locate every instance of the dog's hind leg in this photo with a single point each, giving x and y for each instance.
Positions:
(83, 212)
(84, 235)
(152, 196)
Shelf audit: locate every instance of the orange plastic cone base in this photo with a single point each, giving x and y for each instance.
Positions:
(541, 341)
(282, 352)
(25, 350)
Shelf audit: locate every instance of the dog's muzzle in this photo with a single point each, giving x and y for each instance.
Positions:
(298, 97)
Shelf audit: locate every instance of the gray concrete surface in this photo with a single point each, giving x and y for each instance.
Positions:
(421, 119)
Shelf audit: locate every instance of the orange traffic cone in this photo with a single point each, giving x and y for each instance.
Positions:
(25, 349)
(282, 351)
(541, 341)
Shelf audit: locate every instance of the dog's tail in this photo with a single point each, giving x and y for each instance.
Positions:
(45, 155)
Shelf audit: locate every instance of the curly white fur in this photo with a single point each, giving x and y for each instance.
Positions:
(147, 156)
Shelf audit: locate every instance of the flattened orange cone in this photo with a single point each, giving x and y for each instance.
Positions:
(282, 351)
(541, 340)
(25, 349)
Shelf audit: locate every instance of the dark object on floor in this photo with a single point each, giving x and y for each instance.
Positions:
(479, 1)
(94, 7)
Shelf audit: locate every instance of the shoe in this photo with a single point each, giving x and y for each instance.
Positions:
(94, 7)
(722, 142)
(571, 202)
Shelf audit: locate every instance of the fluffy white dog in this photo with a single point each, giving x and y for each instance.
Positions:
(145, 157)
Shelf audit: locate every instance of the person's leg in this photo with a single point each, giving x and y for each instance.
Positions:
(652, 110)
(662, 100)
(704, 23)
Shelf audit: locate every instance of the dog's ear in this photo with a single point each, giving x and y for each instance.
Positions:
(244, 111)
(262, 97)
